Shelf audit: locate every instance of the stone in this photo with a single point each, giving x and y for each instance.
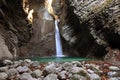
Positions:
(37, 73)
(50, 68)
(51, 77)
(77, 63)
(35, 64)
(94, 67)
(17, 63)
(8, 62)
(3, 76)
(23, 69)
(77, 70)
(90, 71)
(78, 77)
(113, 68)
(94, 77)
(58, 69)
(67, 66)
(26, 76)
(4, 69)
(114, 78)
(28, 61)
(62, 74)
(12, 72)
(111, 74)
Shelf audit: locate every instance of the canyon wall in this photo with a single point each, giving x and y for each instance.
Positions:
(89, 28)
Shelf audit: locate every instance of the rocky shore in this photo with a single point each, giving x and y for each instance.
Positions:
(75, 70)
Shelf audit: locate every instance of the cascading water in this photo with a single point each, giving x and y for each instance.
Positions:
(59, 52)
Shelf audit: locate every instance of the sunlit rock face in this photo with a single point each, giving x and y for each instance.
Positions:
(42, 42)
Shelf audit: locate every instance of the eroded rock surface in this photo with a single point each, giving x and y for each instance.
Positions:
(87, 27)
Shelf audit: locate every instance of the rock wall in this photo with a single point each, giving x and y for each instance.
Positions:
(14, 28)
(98, 24)
(87, 27)
(90, 26)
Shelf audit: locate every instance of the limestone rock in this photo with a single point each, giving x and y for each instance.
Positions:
(77, 70)
(26, 76)
(36, 73)
(3, 76)
(12, 73)
(8, 62)
(78, 77)
(113, 68)
(51, 77)
(62, 75)
(50, 68)
(4, 51)
(28, 61)
(35, 64)
(22, 69)
(94, 77)
(4, 69)
(67, 66)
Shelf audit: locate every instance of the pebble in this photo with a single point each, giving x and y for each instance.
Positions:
(67, 66)
(37, 73)
(90, 71)
(26, 76)
(35, 64)
(62, 74)
(113, 68)
(114, 78)
(27, 60)
(94, 77)
(74, 70)
(78, 77)
(4, 69)
(50, 68)
(7, 62)
(3, 76)
(12, 72)
(111, 74)
(51, 77)
(77, 70)
(22, 69)
(76, 63)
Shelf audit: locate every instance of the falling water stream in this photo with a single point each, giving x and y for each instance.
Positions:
(59, 52)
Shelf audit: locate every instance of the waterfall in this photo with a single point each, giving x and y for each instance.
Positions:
(59, 52)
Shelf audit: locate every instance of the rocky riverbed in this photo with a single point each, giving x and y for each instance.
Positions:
(75, 70)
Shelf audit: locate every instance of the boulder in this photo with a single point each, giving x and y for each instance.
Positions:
(51, 77)
(37, 73)
(3, 76)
